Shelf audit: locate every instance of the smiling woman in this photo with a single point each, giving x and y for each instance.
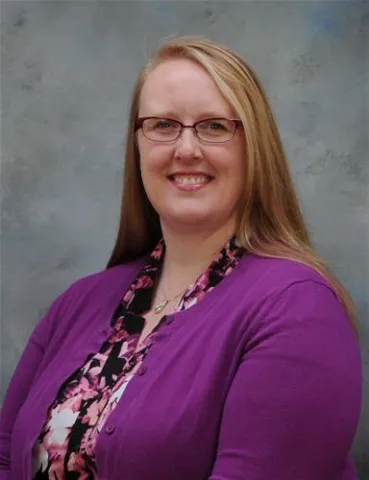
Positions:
(216, 344)
(172, 167)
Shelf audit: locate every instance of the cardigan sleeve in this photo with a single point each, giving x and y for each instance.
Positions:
(21, 382)
(293, 406)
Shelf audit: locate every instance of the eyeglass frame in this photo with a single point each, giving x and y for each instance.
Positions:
(140, 120)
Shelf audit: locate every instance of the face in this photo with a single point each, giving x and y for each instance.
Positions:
(192, 185)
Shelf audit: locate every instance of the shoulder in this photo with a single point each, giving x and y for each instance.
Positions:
(272, 277)
(88, 292)
(288, 296)
(285, 293)
(105, 280)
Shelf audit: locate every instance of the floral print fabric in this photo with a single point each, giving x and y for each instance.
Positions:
(65, 447)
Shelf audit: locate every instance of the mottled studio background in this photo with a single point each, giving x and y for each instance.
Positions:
(67, 72)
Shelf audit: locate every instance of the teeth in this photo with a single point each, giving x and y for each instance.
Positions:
(190, 180)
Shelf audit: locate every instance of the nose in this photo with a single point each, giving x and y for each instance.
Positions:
(187, 145)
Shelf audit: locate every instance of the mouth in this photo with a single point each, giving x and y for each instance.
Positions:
(190, 181)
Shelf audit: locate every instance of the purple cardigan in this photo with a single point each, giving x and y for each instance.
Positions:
(261, 380)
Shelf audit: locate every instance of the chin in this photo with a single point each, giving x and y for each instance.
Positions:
(188, 219)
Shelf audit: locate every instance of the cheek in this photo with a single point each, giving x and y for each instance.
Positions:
(153, 170)
(153, 159)
(232, 164)
(234, 174)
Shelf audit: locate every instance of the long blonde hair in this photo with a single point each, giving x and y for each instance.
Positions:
(270, 221)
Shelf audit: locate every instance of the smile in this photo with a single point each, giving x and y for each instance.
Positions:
(191, 179)
(190, 182)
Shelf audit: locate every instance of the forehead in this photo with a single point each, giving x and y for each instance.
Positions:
(183, 89)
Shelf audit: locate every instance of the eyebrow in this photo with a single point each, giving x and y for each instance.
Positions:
(174, 116)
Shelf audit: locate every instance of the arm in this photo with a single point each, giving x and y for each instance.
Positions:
(21, 382)
(293, 407)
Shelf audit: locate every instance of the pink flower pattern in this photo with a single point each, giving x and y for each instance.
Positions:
(65, 447)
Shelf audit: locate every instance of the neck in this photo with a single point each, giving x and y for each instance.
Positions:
(187, 256)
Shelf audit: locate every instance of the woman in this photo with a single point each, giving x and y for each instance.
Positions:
(215, 345)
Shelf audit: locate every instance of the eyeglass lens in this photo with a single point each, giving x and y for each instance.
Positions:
(211, 130)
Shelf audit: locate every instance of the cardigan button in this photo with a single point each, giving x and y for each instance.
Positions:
(105, 332)
(142, 370)
(109, 429)
(169, 319)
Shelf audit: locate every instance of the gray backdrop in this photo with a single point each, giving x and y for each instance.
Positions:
(67, 73)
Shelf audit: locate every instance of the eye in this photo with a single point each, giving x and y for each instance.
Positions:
(216, 126)
(213, 125)
(164, 124)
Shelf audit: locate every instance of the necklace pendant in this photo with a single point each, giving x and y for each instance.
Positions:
(158, 308)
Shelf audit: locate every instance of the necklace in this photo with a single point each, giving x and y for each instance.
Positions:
(160, 306)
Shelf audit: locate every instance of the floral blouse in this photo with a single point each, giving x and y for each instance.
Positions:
(66, 444)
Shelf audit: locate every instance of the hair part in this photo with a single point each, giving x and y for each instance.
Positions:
(270, 221)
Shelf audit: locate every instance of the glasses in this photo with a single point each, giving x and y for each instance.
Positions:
(211, 130)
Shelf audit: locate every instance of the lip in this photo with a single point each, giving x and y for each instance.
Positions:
(190, 187)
